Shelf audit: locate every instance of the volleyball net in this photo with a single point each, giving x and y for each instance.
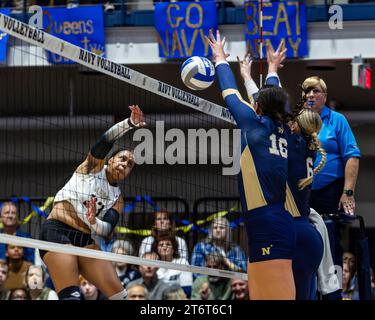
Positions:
(51, 115)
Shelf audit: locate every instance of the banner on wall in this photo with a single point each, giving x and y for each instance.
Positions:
(182, 27)
(281, 20)
(4, 40)
(82, 26)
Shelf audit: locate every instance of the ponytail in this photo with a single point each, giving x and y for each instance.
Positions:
(310, 124)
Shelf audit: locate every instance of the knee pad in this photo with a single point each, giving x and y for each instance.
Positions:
(70, 293)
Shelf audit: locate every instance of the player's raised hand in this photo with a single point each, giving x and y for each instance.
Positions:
(245, 66)
(276, 58)
(137, 116)
(217, 46)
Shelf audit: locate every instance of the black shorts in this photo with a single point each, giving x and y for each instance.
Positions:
(57, 231)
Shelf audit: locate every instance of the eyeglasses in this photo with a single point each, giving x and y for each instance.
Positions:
(168, 245)
(314, 90)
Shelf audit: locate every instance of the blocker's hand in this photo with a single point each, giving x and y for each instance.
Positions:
(217, 47)
(245, 66)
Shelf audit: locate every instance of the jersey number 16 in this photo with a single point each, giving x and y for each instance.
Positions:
(278, 146)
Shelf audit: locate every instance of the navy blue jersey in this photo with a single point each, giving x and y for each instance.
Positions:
(300, 166)
(264, 148)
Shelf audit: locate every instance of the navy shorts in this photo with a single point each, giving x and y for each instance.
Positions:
(309, 253)
(57, 231)
(271, 233)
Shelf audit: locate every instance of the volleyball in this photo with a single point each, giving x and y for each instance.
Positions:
(197, 73)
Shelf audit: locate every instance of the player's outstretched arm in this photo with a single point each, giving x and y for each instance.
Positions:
(241, 110)
(275, 61)
(245, 69)
(96, 158)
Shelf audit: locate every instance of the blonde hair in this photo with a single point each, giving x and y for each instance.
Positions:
(314, 82)
(310, 124)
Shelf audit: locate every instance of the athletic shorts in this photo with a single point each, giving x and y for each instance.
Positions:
(57, 231)
(271, 233)
(306, 261)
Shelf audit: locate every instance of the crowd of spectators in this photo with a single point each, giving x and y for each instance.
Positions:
(24, 277)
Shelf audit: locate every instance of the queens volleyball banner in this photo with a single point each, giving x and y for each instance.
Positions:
(82, 26)
(281, 20)
(4, 40)
(181, 28)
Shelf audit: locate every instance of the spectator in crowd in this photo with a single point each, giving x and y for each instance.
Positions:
(350, 259)
(17, 268)
(240, 289)
(167, 248)
(89, 291)
(174, 293)
(212, 287)
(149, 279)
(163, 222)
(137, 291)
(334, 186)
(349, 292)
(9, 219)
(219, 243)
(35, 283)
(4, 292)
(19, 294)
(125, 273)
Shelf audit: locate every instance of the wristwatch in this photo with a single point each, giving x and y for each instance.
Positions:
(349, 192)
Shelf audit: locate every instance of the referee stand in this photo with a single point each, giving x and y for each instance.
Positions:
(362, 250)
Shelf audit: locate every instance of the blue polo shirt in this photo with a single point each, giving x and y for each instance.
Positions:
(338, 141)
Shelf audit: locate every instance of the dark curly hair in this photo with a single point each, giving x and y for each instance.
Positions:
(166, 236)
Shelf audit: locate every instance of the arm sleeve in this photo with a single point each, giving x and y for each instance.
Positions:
(242, 111)
(251, 89)
(346, 140)
(106, 141)
(273, 79)
(101, 228)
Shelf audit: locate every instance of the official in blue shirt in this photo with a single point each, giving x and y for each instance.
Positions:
(333, 187)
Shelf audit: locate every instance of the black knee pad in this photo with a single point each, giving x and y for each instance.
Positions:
(70, 293)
